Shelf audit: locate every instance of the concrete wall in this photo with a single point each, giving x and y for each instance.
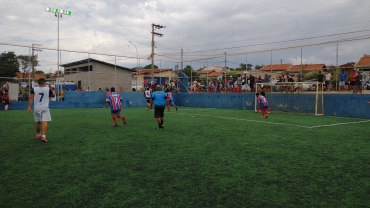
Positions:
(348, 105)
(140, 78)
(101, 76)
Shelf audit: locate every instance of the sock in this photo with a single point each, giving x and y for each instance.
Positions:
(159, 125)
(44, 136)
(115, 121)
(162, 121)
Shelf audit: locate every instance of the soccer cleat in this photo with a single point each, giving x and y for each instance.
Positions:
(43, 139)
(115, 125)
(176, 108)
(37, 136)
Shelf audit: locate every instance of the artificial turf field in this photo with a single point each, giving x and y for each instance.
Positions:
(202, 158)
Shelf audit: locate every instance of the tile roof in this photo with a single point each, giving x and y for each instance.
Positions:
(306, 67)
(214, 74)
(364, 61)
(19, 75)
(205, 71)
(148, 71)
(276, 67)
(217, 68)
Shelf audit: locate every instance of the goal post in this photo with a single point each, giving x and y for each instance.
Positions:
(294, 97)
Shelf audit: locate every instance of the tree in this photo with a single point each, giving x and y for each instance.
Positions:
(249, 67)
(149, 66)
(259, 67)
(39, 72)
(243, 66)
(9, 65)
(25, 63)
(189, 72)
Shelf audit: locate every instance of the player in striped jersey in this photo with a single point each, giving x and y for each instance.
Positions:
(170, 99)
(115, 106)
(262, 102)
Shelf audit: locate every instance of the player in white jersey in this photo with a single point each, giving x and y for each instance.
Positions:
(148, 97)
(40, 95)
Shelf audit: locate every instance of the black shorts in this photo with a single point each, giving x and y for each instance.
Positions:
(147, 100)
(159, 111)
(352, 83)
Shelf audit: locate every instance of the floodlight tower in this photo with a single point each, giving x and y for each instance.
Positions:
(59, 14)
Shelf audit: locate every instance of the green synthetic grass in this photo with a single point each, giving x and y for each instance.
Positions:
(198, 160)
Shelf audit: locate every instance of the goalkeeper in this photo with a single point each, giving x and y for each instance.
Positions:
(262, 101)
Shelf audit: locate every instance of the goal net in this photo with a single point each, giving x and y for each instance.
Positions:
(296, 97)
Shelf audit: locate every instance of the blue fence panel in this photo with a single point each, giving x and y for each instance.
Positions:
(348, 105)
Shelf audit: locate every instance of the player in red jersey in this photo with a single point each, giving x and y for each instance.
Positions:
(115, 106)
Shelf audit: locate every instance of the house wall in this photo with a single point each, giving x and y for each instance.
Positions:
(101, 76)
(140, 78)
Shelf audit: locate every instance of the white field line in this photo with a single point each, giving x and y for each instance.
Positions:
(276, 123)
(337, 124)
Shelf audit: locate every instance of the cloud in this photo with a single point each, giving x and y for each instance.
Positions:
(203, 29)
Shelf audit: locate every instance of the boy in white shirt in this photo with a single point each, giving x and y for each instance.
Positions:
(40, 95)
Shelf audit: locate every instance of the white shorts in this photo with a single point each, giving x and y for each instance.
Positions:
(42, 115)
(342, 83)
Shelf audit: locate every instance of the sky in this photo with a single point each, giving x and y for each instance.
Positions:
(208, 32)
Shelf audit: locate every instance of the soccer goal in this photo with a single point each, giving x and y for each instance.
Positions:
(296, 97)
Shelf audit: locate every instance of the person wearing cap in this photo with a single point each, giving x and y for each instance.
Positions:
(363, 76)
(327, 81)
(342, 79)
(5, 100)
(320, 79)
(352, 80)
(358, 86)
(231, 83)
(273, 82)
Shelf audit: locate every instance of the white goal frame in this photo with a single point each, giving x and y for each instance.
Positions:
(291, 91)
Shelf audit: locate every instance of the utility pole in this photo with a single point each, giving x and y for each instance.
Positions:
(281, 61)
(181, 59)
(301, 59)
(337, 55)
(154, 26)
(33, 59)
(225, 60)
(246, 62)
(271, 63)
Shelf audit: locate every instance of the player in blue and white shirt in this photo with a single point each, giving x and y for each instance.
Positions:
(115, 106)
(262, 102)
(170, 99)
